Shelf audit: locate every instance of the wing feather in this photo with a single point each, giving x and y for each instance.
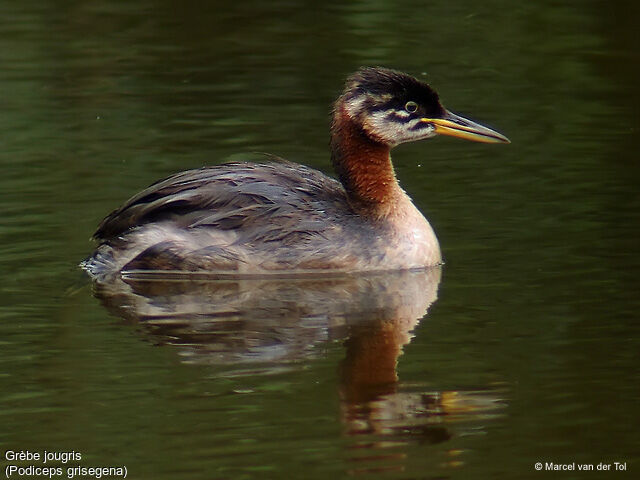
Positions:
(266, 197)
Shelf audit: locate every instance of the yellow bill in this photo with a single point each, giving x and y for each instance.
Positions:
(457, 126)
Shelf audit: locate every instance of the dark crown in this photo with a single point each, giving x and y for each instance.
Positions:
(381, 82)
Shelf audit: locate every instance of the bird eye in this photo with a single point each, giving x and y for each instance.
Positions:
(411, 107)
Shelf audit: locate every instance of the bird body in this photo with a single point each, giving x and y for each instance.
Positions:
(280, 217)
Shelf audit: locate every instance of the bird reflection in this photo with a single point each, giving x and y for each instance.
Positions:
(272, 323)
(277, 320)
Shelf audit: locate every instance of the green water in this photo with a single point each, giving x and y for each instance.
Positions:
(528, 354)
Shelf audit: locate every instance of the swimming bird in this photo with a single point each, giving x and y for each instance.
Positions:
(278, 217)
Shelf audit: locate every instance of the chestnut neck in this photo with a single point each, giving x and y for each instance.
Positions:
(364, 167)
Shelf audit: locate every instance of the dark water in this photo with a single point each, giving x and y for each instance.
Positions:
(530, 351)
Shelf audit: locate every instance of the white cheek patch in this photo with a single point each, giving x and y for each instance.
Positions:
(390, 127)
(417, 130)
(354, 106)
(381, 126)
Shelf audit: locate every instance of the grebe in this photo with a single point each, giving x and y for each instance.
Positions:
(279, 217)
